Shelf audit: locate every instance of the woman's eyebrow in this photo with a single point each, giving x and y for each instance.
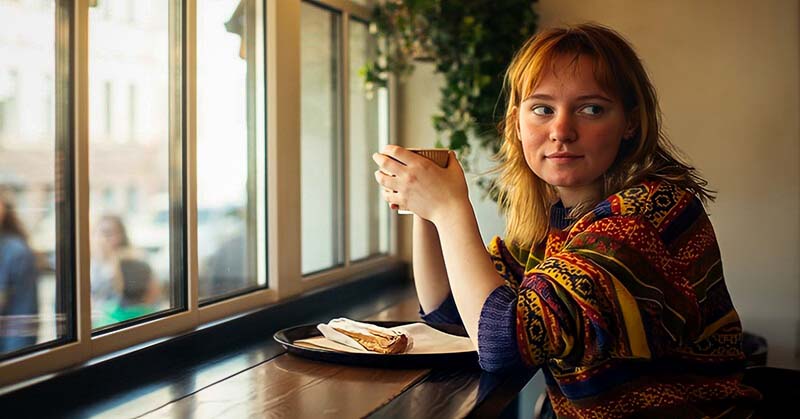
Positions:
(593, 96)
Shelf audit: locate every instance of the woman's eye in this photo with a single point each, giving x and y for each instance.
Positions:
(541, 110)
(592, 110)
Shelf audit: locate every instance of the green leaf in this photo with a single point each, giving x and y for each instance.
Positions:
(458, 140)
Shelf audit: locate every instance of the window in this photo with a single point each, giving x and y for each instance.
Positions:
(160, 164)
(339, 135)
(368, 129)
(229, 190)
(321, 171)
(130, 247)
(35, 270)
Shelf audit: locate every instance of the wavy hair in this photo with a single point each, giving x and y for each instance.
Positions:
(526, 199)
(10, 222)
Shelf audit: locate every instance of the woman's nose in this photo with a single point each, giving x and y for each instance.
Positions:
(563, 128)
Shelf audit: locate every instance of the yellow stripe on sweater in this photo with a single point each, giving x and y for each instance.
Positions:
(633, 321)
(729, 318)
(635, 278)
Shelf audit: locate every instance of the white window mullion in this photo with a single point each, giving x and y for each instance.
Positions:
(262, 189)
(283, 146)
(190, 72)
(82, 233)
(344, 116)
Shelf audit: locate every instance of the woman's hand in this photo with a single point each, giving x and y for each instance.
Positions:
(416, 184)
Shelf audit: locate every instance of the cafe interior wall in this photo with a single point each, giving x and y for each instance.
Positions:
(728, 78)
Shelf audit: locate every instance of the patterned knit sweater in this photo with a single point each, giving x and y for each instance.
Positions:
(626, 309)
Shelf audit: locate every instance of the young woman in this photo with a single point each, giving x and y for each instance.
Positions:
(19, 281)
(110, 240)
(609, 275)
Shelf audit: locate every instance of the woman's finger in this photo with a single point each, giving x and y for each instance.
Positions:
(393, 198)
(388, 164)
(387, 181)
(400, 154)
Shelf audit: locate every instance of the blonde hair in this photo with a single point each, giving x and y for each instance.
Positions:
(648, 154)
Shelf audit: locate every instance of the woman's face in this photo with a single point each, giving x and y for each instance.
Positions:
(109, 235)
(571, 129)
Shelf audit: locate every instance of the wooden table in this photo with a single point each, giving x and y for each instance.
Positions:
(295, 387)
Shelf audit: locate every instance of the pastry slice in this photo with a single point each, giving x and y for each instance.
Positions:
(367, 336)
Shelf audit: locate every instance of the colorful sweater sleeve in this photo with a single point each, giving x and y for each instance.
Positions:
(446, 313)
(506, 263)
(497, 323)
(617, 288)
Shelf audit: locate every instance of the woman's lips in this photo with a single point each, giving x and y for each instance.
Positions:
(563, 157)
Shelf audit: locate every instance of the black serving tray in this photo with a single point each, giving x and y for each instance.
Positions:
(287, 337)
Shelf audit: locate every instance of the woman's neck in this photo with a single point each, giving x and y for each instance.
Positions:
(572, 196)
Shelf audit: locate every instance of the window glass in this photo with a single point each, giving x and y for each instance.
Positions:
(320, 139)
(129, 160)
(31, 284)
(226, 146)
(368, 215)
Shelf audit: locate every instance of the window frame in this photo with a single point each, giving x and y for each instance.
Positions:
(278, 184)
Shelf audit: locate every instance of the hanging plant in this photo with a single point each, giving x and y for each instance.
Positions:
(471, 42)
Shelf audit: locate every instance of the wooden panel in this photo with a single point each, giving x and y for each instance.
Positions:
(293, 387)
(406, 310)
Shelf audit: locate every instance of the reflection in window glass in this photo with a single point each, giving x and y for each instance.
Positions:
(226, 138)
(320, 144)
(129, 174)
(30, 312)
(368, 215)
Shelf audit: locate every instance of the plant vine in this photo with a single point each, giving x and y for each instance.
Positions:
(471, 43)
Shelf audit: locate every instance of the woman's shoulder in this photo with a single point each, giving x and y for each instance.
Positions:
(496, 246)
(652, 199)
(13, 245)
(502, 249)
(662, 205)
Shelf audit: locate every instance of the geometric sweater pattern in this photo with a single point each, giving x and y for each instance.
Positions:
(625, 310)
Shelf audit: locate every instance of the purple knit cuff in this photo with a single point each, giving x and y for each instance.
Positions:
(497, 341)
(447, 313)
